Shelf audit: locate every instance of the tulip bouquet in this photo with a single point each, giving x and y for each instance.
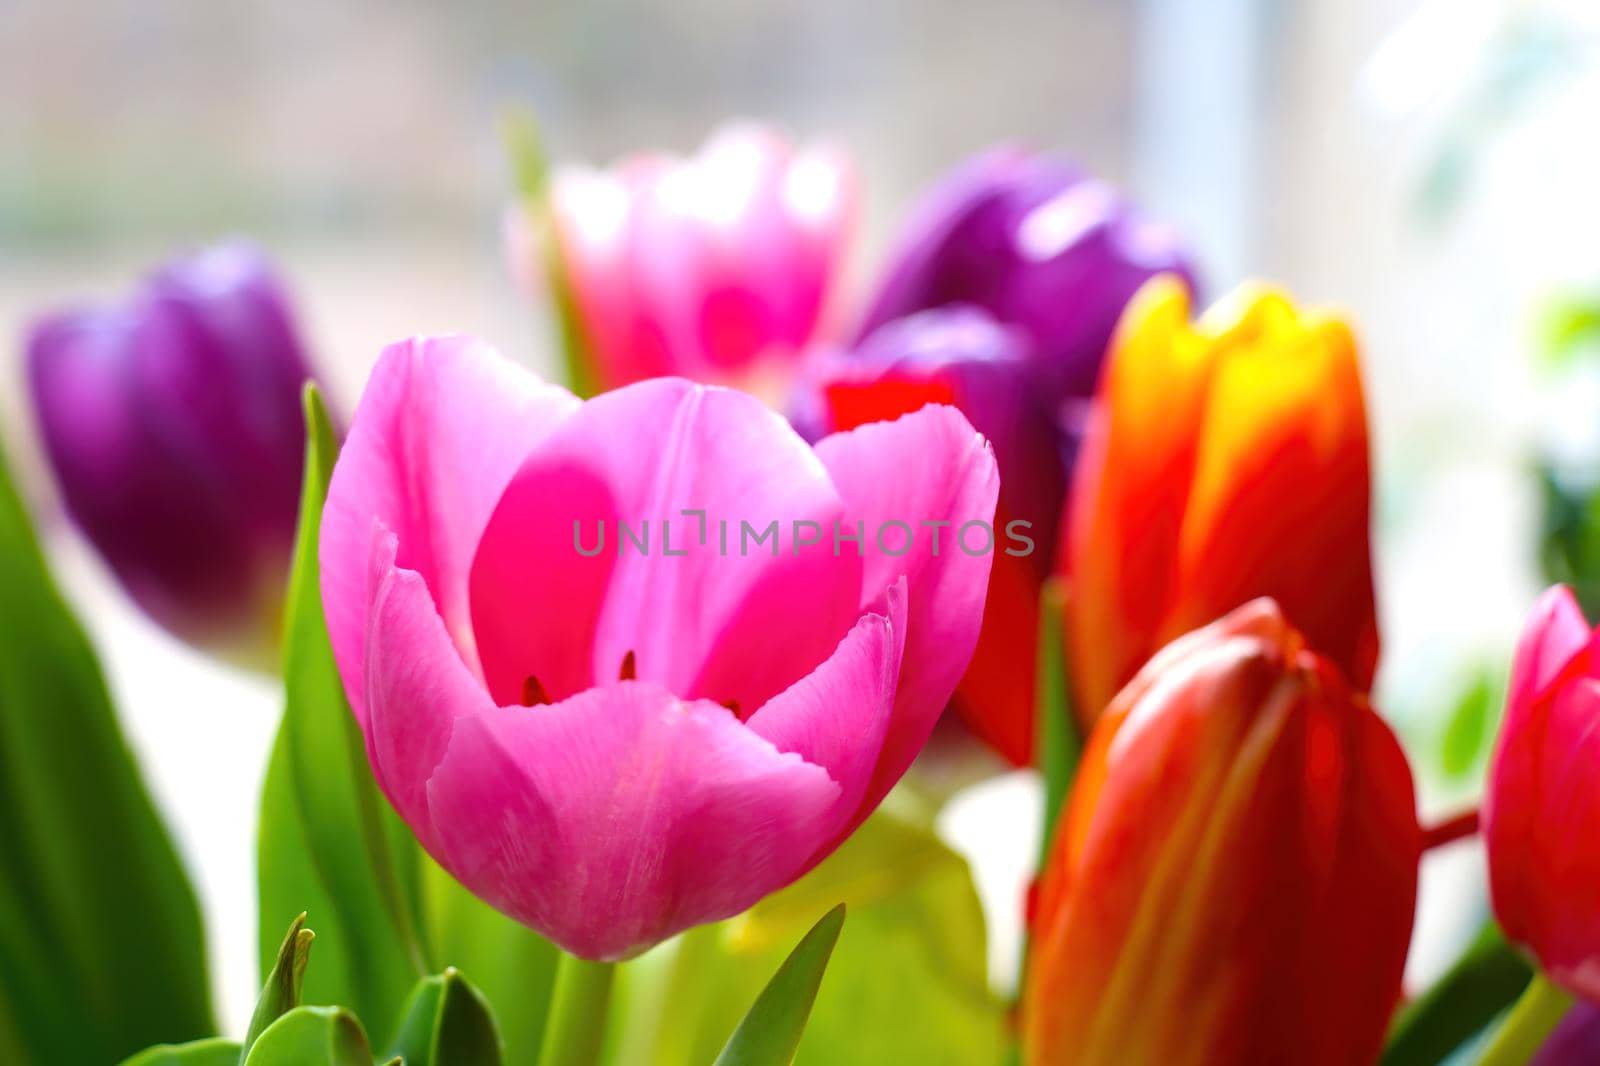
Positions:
(607, 701)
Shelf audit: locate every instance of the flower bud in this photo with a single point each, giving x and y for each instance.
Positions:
(1541, 809)
(1235, 876)
(1226, 460)
(172, 421)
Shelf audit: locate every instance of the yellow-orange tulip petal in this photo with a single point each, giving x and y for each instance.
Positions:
(1229, 461)
(1129, 489)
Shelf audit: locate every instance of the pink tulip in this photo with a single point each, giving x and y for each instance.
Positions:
(715, 267)
(612, 747)
(1541, 811)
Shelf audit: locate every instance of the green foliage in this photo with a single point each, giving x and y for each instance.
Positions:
(1487, 979)
(213, 1051)
(511, 965)
(1059, 745)
(908, 980)
(281, 993)
(1470, 729)
(101, 951)
(312, 1036)
(1569, 537)
(447, 1023)
(770, 1032)
(531, 172)
(324, 826)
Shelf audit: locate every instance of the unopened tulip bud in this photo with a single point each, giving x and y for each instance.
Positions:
(172, 421)
(1235, 876)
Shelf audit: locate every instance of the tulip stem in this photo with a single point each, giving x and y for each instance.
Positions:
(1450, 830)
(1530, 1021)
(576, 1028)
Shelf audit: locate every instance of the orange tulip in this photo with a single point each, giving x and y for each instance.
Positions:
(1235, 876)
(1228, 460)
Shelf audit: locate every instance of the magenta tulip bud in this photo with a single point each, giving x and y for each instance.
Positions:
(1541, 811)
(172, 421)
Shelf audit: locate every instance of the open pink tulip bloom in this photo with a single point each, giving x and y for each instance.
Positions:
(612, 746)
(715, 267)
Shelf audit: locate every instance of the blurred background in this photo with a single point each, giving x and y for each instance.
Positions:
(1429, 167)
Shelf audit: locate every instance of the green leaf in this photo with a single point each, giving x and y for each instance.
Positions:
(212, 1051)
(328, 838)
(281, 993)
(510, 964)
(770, 1033)
(447, 1023)
(1469, 730)
(101, 949)
(908, 981)
(1570, 331)
(313, 1036)
(1486, 980)
(1059, 745)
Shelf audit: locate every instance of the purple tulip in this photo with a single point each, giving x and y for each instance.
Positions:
(172, 419)
(1038, 245)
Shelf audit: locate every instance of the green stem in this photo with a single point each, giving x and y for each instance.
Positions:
(576, 1029)
(1538, 1012)
(1057, 746)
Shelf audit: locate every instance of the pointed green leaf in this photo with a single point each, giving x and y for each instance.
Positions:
(770, 1033)
(447, 1023)
(324, 824)
(510, 964)
(312, 1036)
(281, 993)
(213, 1051)
(101, 950)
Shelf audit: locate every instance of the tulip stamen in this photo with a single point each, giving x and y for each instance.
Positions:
(630, 670)
(732, 705)
(533, 693)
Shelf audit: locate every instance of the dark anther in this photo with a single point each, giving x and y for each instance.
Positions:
(732, 705)
(629, 670)
(533, 693)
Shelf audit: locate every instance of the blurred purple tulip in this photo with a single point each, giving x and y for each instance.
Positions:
(1038, 245)
(172, 420)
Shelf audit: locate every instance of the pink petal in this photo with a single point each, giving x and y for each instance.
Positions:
(415, 687)
(442, 426)
(924, 467)
(838, 716)
(723, 626)
(623, 815)
(1554, 634)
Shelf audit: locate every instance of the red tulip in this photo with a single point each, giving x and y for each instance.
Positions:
(1235, 876)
